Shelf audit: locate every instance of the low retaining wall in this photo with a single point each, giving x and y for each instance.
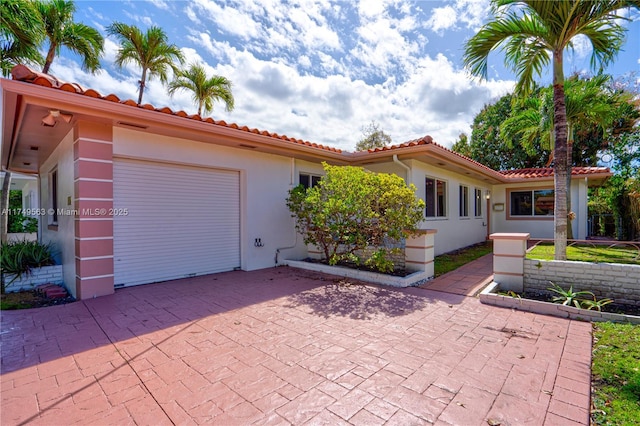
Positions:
(411, 280)
(611, 280)
(44, 275)
(489, 296)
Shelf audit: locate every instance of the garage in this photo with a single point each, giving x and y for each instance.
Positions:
(173, 221)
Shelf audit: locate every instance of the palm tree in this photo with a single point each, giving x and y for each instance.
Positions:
(150, 51)
(60, 30)
(21, 32)
(205, 89)
(534, 33)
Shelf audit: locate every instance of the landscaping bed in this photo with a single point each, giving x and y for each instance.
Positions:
(30, 299)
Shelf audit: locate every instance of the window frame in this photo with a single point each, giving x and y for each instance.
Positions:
(313, 179)
(53, 192)
(478, 199)
(463, 201)
(439, 215)
(532, 216)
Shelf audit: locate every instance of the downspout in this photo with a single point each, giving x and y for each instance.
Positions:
(295, 231)
(404, 166)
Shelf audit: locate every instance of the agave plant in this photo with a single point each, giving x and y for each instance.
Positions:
(595, 304)
(569, 297)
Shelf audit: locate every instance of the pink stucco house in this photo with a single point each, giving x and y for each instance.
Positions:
(134, 194)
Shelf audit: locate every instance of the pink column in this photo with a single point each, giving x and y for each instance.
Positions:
(93, 184)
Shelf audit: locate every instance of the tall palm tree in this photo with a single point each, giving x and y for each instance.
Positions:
(21, 32)
(534, 33)
(205, 89)
(150, 51)
(60, 30)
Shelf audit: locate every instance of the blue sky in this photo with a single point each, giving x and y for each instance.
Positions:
(321, 70)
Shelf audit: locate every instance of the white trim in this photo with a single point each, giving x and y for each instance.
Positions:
(95, 277)
(93, 238)
(92, 180)
(94, 257)
(93, 160)
(93, 140)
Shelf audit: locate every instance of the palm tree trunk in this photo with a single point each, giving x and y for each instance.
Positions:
(4, 206)
(200, 108)
(142, 82)
(50, 55)
(560, 155)
(569, 165)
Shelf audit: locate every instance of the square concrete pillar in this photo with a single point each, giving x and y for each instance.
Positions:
(509, 250)
(419, 252)
(93, 188)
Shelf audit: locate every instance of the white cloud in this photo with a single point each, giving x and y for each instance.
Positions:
(442, 18)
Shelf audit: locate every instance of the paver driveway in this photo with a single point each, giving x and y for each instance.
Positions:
(282, 346)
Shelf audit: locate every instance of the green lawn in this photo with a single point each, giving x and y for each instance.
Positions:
(450, 261)
(589, 253)
(616, 374)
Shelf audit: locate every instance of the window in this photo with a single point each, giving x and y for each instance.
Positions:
(537, 202)
(308, 180)
(53, 196)
(464, 201)
(435, 198)
(477, 198)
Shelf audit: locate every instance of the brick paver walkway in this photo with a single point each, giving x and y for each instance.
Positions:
(283, 346)
(467, 280)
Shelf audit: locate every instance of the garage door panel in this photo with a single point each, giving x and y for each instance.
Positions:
(182, 221)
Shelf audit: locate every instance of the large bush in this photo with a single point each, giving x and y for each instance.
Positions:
(351, 210)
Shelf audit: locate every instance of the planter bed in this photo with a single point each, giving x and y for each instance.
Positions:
(411, 280)
(490, 296)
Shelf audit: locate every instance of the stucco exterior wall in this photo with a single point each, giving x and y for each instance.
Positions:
(61, 238)
(453, 231)
(265, 180)
(539, 227)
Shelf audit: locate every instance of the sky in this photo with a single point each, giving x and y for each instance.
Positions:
(323, 70)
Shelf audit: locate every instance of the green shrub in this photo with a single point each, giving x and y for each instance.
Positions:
(352, 209)
(19, 257)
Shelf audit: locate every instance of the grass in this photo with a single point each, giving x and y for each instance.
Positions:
(449, 261)
(588, 253)
(616, 374)
(19, 300)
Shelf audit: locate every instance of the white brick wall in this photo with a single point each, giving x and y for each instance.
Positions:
(611, 280)
(46, 274)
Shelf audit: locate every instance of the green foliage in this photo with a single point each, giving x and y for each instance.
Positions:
(462, 146)
(615, 253)
(205, 89)
(20, 257)
(489, 147)
(576, 298)
(18, 222)
(352, 209)
(61, 31)
(373, 137)
(568, 297)
(616, 375)
(151, 51)
(21, 32)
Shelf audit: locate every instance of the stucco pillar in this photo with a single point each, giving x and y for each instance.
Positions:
(419, 252)
(93, 184)
(509, 250)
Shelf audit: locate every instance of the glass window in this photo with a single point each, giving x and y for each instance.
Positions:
(532, 203)
(308, 180)
(464, 201)
(477, 202)
(435, 198)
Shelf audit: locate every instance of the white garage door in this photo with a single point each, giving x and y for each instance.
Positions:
(180, 221)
